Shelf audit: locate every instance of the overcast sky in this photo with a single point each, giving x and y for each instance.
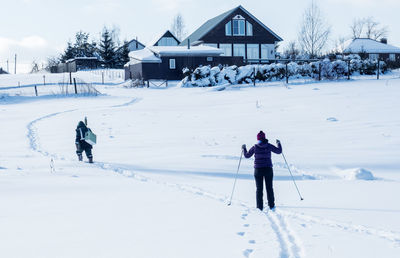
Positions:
(36, 29)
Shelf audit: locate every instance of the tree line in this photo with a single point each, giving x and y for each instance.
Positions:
(314, 34)
(108, 49)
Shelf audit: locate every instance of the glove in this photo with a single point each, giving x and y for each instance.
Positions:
(243, 146)
(278, 142)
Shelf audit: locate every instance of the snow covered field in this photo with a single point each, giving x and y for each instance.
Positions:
(165, 164)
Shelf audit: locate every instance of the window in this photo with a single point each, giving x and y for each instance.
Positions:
(238, 27)
(227, 48)
(373, 56)
(392, 57)
(267, 51)
(253, 51)
(172, 64)
(239, 50)
(249, 29)
(228, 29)
(210, 58)
(167, 41)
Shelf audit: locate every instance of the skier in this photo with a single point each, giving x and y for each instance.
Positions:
(81, 144)
(263, 167)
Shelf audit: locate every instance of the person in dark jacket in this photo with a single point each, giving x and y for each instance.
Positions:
(81, 144)
(263, 167)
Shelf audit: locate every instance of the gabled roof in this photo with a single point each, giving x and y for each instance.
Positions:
(129, 42)
(370, 46)
(210, 24)
(168, 34)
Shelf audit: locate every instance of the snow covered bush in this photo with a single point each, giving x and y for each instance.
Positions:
(205, 76)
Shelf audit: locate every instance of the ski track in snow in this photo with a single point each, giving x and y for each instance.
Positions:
(290, 246)
(131, 102)
(34, 140)
(289, 243)
(391, 236)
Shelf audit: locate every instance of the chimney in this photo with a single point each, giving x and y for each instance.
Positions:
(384, 40)
(188, 43)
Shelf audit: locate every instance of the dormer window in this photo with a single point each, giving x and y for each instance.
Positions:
(238, 26)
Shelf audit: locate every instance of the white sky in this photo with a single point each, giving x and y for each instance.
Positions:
(36, 29)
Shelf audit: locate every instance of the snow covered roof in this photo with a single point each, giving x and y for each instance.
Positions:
(153, 54)
(210, 24)
(368, 46)
(144, 56)
(82, 58)
(184, 51)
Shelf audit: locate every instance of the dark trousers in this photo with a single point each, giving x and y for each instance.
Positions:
(83, 146)
(261, 175)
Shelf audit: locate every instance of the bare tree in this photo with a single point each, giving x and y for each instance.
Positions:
(292, 50)
(35, 67)
(178, 27)
(314, 31)
(357, 28)
(368, 28)
(339, 45)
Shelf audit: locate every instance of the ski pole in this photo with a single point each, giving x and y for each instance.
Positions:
(234, 184)
(301, 198)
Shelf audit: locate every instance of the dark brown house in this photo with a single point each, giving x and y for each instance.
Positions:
(167, 62)
(238, 33)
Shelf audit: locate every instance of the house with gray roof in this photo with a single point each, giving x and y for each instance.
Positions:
(238, 33)
(372, 49)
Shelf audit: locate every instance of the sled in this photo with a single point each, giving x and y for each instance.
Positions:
(90, 137)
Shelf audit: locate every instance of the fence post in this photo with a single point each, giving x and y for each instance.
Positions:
(76, 90)
(70, 78)
(36, 91)
(319, 71)
(377, 74)
(102, 77)
(286, 74)
(44, 79)
(166, 83)
(148, 83)
(348, 69)
(254, 79)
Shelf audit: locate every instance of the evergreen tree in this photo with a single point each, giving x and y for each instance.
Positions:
(123, 55)
(107, 48)
(82, 46)
(68, 53)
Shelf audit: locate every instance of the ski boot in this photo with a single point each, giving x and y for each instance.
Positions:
(80, 157)
(91, 160)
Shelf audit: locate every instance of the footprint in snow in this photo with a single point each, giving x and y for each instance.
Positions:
(332, 119)
(246, 225)
(240, 233)
(247, 252)
(252, 241)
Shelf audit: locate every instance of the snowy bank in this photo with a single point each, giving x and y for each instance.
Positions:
(356, 174)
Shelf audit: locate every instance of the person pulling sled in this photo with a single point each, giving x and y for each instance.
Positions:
(82, 143)
(263, 167)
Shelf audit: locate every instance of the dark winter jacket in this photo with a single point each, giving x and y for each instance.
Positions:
(262, 153)
(80, 135)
